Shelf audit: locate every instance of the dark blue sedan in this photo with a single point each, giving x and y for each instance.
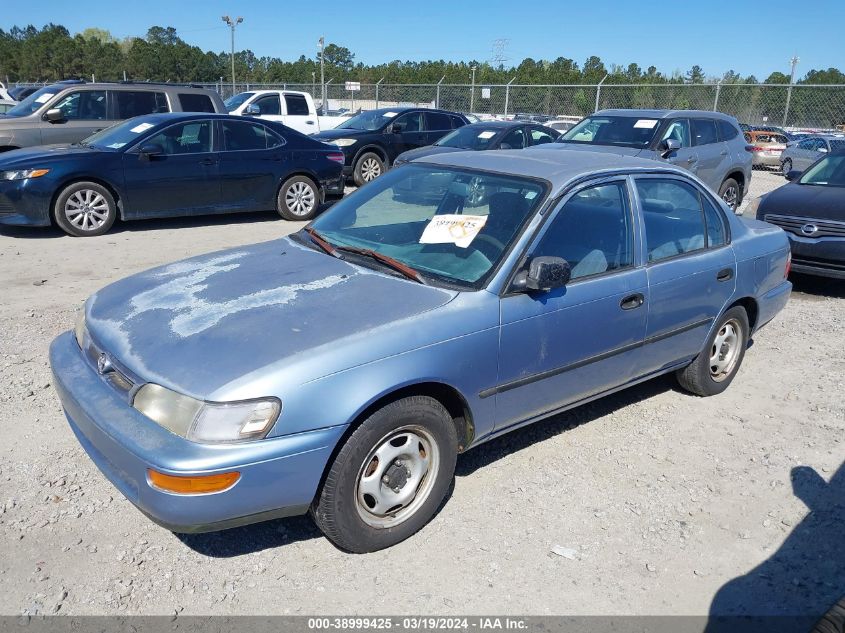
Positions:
(165, 165)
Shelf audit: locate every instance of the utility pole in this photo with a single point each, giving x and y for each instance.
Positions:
(322, 44)
(472, 93)
(794, 62)
(232, 24)
(313, 83)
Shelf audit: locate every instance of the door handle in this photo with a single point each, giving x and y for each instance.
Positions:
(309, 123)
(208, 161)
(632, 302)
(726, 274)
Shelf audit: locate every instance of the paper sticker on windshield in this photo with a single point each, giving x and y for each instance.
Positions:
(389, 115)
(487, 134)
(45, 97)
(459, 230)
(646, 123)
(141, 127)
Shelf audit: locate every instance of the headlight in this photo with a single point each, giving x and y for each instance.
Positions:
(80, 330)
(344, 142)
(22, 174)
(212, 422)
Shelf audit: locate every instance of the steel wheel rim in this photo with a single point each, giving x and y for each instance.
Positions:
(730, 197)
(370, 169)
(300, 198)
(725, 350)
(87, 209)
(396, 477)
(784, 167)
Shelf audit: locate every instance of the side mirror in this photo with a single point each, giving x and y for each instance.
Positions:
(54, 115)
(668, 146)
(253, 109)
(395, 128)
(793, 174)
(544, 273)
(148, 150)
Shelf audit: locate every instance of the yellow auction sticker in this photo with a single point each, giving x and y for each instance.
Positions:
(459, 230)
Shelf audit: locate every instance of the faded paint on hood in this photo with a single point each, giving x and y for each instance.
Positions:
(199, 324)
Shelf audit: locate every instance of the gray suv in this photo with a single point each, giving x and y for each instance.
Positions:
(69, 111)
(709, 144)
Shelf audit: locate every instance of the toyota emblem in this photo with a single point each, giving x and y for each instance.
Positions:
(104, 364)
(809, 229)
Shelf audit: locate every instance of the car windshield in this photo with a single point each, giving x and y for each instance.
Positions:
(34, 102)
(469, 137)
(624, 131)
(829, 171)
(117, 136)
(453, 226)
(235, 102)
(370, 120)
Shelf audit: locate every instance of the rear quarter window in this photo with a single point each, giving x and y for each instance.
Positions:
(193, 102)
(727, 131)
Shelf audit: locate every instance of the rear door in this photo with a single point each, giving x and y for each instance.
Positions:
(126, 104)
(437, 125)
(251, 161)
(299, 114)
(712, 153)
(541, 136)
(84, 112)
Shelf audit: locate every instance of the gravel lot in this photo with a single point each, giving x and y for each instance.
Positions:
(653, 499)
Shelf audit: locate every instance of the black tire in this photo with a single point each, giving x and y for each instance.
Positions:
(731, 193)
(298, 199)
(368, 167)
(786, 166)
(698, 377)
(833, 621)
(85, 209)
(341, 510)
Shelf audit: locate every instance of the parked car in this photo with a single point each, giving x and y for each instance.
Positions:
(772, 128)
(164, 165)
(69, 111)
(294, 109)
(4, 93)
(800, 154)
(372, 140)
(484, 136)
(340, 370)
(811, 209)
(561, 125)
(6, 105)
(709, 144)
(765, 147)
(19, 93)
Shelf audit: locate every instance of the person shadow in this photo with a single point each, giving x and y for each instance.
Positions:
(801, 582)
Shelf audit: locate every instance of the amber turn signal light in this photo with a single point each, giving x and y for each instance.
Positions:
(192, 484)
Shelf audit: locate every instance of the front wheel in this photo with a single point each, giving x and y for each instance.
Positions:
(729, 192)
(390, 476)
(85, 209)
(298, 199)
(718, 363)
(368, 167)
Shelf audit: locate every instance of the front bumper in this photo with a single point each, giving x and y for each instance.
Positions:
(279, 476)
(823, 257)
(21, 206)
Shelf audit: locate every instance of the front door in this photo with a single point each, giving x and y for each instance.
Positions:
(687, 156)
(408, 132)
(183, 180)
(562, 346)
(83, 113)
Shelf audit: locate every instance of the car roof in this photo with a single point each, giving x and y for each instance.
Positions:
(124, 85)
(558, 166)
(663, 114)
(501, 124)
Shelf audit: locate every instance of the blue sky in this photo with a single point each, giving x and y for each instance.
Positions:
(749, 36)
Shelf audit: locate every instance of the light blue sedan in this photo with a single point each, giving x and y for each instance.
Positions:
(341, 370)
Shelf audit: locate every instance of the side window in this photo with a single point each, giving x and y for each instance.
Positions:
(678, 130)
(193, 102)
(673, 219)
(515, 139)
(269, 104)
(296, 105)
(191, 137)
(84, 105)
(727, 131)
(411, 122)
(273, 140)
(437, 121)
(242, 135)
(457, 122)
(806, 144)
(132, 103)
(539, 136)
(716, 233)
(704, 131)
(592, 231)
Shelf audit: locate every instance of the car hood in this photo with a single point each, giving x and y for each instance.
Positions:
(591, 147)
(197, 325)
(810, 201)
(40, 154)
(428, 150)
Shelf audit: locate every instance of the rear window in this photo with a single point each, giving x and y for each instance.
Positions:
(193, 102)
(297, 105)
(727, 131)
(132, 103)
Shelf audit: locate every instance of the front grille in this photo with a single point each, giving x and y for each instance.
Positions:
(116, 376)
(824, 228)
(819, 263)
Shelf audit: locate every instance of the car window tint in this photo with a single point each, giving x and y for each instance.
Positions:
(515, 139)
(437, 121)
(131, 103)
(411, 122)
(242, 135)
(678, 130)
(539, 136)
(191, 102)
(457, 122)
(296, 105)
(672, 216)
(269, 104)
(84, 105)
(704, 131)
(716, 233)
(191, 137)
(592, 231)
(727, 131)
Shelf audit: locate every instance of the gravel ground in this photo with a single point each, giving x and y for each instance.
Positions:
(646, 502)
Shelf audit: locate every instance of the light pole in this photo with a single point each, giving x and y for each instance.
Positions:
(322, 44)
(794, 61)
(313, 83)
(232, 24)
(472, 93)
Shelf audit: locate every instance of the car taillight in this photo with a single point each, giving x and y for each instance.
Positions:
(788, 265)
(336, 157)
(750, 148)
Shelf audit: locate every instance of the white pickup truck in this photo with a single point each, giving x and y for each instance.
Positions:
(289, 107)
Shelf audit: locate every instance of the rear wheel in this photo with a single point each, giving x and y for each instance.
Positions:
(298, 199)
(85, 209)
(730, 193)
(368, 167)
(716, 366)
(786, 166)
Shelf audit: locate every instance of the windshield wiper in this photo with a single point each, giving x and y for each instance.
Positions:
(388, 261)
(323, 243)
